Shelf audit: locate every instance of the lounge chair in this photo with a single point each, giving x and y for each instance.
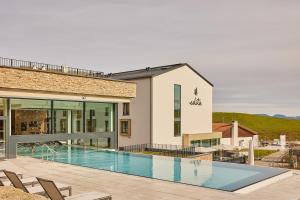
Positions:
(17, 183)
(32, 181)
(3, 176)
(54, 194)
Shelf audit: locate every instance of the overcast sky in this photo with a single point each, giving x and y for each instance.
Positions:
(250, 50)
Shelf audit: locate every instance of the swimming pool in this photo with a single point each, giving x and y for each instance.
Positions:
(217, 175)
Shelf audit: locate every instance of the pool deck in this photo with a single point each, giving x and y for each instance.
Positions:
(122, 186)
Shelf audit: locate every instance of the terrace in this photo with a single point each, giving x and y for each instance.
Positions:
(22, 64)
(122, 186)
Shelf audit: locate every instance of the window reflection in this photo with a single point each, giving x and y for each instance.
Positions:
(30, 116)
(68, 117)
(99, 117)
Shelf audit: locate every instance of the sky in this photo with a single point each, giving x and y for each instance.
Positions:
(250, 49)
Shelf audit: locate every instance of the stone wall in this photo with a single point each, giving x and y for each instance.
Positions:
(42, 81)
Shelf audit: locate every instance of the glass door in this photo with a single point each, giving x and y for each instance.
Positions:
(3, 115)
(2, 137)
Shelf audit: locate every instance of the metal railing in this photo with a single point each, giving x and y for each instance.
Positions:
(50, 153)
(229, 156)
(46, 151)
(161, 149)
(240, 159)
(8, 62)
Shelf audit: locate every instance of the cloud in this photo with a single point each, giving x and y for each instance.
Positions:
(248, 49)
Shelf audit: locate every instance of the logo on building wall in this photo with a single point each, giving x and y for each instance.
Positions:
(196, 91)
(197, 101)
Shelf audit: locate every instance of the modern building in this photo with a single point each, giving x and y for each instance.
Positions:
(173, 105)
(42, 102)
(236, 135)
(162, 105)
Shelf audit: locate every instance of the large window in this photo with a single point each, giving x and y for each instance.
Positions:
(30, 116)
(177, 110)
(206, 142)
(99, 117)
(68, 117)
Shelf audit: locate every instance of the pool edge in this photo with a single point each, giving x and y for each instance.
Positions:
(264, 183)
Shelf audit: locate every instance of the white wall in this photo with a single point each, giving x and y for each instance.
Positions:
(139, 115)
(225, 141)
(194, 119)
(228, 141)
(246, 141)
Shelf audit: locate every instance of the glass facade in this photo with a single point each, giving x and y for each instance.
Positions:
(177, 110)
(3, 115)
(45, 116)
(30, 116)
(99, 117)
(206, 142)
(68, 117)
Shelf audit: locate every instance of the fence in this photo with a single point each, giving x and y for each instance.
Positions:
(161, 149)
(7, 62)
(229, 156)
(239, 160)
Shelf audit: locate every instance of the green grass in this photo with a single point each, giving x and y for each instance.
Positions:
(268, 128)
(261, 152)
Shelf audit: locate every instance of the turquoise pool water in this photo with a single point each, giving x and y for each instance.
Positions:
(217, 175)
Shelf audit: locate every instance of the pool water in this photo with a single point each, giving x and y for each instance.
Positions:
(217, 175)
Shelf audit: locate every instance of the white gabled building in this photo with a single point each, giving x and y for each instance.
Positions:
(236, 135)
(173, 105)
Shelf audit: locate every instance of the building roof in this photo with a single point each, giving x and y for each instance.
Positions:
(151, 72)
(226, 130)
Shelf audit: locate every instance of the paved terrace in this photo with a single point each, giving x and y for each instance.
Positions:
(131, 187)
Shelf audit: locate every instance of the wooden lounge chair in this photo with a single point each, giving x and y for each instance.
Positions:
(3, 176)
(17, 183)
(32, 181)
(54, 194)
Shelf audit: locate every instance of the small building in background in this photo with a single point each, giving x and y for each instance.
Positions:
(235, 135)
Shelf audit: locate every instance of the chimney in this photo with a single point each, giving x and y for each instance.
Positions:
(282, 141)
(235, 134)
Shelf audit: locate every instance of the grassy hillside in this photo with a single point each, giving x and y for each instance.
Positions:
(268, 128)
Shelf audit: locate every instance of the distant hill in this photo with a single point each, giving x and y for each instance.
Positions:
(281, 116)
(268, 127)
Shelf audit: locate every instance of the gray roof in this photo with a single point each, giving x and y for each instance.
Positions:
(150, 72)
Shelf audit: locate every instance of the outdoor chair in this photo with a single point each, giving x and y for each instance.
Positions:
(17, 183)
(3, 176)
(30, 181)
(53, 193)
